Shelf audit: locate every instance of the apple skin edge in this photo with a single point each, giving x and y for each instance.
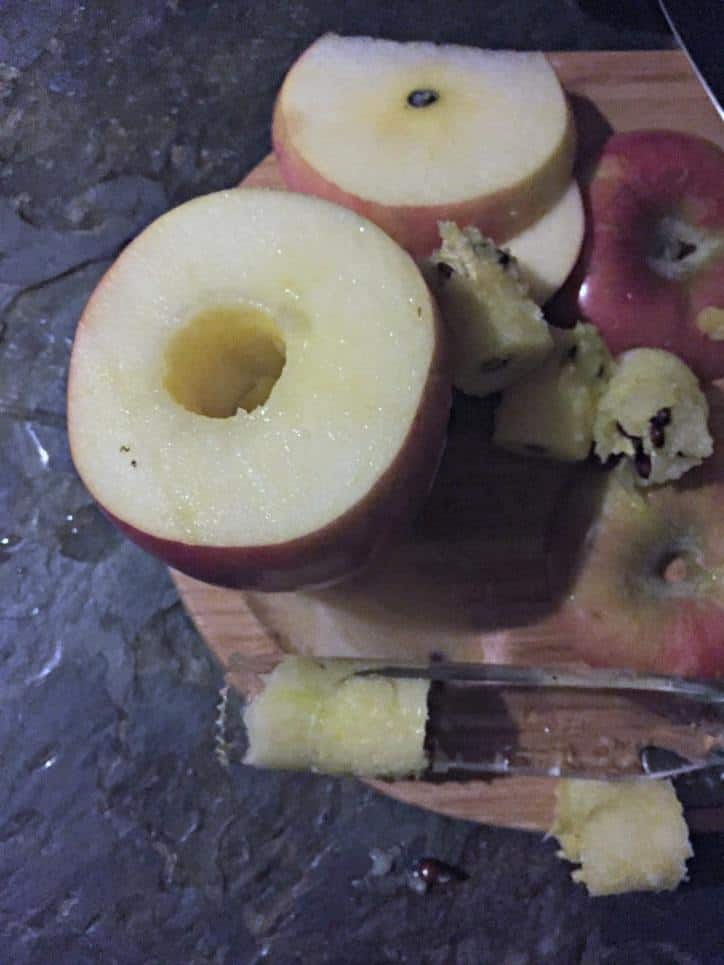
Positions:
(351, 541)
(501, 216)
(640, 177)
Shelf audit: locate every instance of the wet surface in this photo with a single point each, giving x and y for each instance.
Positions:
(128, 830)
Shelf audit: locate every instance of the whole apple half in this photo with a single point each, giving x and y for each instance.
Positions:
(409, 134)
(648, 591)
(258, 391)
(654, 257)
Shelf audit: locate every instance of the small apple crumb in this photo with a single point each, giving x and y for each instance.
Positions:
(711, 322)
(626, 836)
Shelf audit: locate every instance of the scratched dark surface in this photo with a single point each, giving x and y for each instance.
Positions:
(122, 837)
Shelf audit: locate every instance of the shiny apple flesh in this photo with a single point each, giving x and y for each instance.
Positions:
(655, 259)
(258, 392)
(409, 134)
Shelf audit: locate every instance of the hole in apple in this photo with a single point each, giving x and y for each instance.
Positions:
(679, 249)
(223, 360)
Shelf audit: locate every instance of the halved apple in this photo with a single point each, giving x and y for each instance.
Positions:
(409, 134)
(258, 392)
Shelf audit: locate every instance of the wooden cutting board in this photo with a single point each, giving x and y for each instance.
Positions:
(474, 580)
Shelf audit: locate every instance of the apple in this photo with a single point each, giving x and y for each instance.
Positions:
(409, 134)
(654, 273)
(258, 390)
(648, 588)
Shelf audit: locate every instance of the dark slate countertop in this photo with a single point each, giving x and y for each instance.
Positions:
(122, 838)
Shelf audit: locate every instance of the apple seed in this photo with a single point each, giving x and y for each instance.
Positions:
(422, 97)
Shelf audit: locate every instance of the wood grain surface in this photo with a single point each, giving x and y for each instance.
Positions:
(476, 579)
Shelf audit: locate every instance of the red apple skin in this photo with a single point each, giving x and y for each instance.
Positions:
(500, 216)
(642, 176)
(622, 614)
(347, 544)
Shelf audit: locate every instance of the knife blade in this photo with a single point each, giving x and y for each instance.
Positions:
(601, 724)
(698, 28)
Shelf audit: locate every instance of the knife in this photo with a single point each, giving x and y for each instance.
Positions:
(601, 724)
(699, 29)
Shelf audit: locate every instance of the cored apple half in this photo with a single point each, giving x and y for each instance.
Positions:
(258, 392)
(654, 272)
(409, 134)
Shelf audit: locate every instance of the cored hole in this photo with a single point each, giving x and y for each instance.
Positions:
(223, 360)
(674, 568)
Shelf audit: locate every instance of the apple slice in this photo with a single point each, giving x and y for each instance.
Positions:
(547, 251)
(409, 134)
(258, 392)
(655, 256)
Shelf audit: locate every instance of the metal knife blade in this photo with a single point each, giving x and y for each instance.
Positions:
(699, 29)
(602, 724)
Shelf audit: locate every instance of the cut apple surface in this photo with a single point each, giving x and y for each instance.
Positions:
(258, 392)
(412, 133)
(654, 273)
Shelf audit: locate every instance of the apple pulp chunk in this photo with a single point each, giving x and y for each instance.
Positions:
(257, 391)
(411, 133)
(318, 715)
(626, 836)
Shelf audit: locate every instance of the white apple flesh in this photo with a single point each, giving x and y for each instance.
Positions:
(547, 250)
(410, 134)
(258, 392)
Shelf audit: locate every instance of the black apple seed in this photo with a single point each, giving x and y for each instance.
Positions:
(662, 417)
(657, 434)
(642, 462)
(422, 97)
(447, 271)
